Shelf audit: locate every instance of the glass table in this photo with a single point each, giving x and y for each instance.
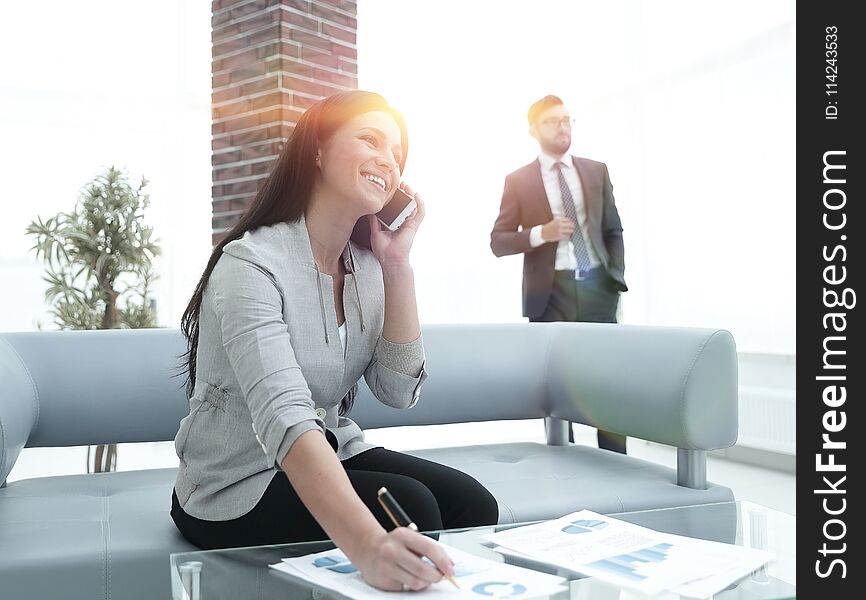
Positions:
(243, 573)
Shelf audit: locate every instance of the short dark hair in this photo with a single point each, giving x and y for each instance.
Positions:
(541, 106)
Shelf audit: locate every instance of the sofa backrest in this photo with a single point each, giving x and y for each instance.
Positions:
(476, 372)
(672, 385)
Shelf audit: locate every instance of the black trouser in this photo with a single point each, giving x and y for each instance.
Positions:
(593, 299)
(433, 495)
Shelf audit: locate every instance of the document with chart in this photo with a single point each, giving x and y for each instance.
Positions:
(478, 578)
(629, 555)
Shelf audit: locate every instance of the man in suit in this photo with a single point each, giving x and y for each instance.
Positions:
(559, 212)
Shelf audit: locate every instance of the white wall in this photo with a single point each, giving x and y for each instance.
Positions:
(89, 84)
(690, 104)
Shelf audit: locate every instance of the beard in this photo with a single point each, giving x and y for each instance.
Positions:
(556, 145)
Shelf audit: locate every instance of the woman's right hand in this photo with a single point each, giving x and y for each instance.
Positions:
(390, 561)
(386, 560)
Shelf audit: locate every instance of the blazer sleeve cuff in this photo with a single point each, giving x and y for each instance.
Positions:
(396, 373)
(394, 389)
(407, 359)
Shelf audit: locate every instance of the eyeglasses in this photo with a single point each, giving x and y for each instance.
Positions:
(557, 123)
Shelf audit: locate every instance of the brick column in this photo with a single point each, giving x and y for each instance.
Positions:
(271, 60)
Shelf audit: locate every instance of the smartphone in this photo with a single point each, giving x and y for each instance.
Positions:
(397, 210)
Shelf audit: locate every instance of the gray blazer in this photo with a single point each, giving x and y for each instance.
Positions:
(270, 366)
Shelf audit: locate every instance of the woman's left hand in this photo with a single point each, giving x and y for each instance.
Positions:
(392, 247)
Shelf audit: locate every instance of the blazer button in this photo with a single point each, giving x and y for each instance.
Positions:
(321, 412)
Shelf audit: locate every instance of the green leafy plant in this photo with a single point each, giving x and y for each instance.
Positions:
(99, 257)
(99, 263)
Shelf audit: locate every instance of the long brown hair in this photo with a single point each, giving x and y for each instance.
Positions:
(285, 195)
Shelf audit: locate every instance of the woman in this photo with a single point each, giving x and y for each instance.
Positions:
(286, 318)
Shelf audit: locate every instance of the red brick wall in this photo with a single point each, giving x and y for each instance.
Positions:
(271, 60)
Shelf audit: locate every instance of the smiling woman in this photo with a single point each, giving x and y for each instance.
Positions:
(287, 317)
(361, 162)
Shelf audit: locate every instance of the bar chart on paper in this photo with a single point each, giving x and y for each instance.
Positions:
(637, 565)
(630, 556)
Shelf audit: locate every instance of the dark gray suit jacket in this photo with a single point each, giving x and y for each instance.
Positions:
(525, 205)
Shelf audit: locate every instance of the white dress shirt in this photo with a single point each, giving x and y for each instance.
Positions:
(565, 258)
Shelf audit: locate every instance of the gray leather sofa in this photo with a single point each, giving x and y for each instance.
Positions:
(110, 536)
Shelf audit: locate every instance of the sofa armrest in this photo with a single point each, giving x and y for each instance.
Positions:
(19, 407)
(675, 386)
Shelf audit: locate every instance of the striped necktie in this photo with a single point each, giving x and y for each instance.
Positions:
(580, 251)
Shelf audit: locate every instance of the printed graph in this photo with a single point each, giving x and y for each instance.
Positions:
(499, 589)
(584, 526)
(336, 564)
(629, 565)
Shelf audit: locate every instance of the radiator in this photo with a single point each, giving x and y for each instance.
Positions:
(768, 408)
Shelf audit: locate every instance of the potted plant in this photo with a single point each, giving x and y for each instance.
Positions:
(99, 266)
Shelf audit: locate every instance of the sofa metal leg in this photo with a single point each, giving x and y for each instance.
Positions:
(102, 458)
(556, 431)
(692, 468)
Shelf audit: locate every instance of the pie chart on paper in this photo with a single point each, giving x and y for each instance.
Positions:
(498, 589)
(584, 526)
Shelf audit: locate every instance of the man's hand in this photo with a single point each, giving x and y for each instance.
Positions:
(560, 228)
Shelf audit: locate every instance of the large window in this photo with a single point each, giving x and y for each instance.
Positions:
(690, 104)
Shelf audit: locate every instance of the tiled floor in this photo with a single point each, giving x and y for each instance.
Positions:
(771, 488)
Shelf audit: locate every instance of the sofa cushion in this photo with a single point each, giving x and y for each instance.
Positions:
(106, 535)
(109, 535)
(532, 481)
